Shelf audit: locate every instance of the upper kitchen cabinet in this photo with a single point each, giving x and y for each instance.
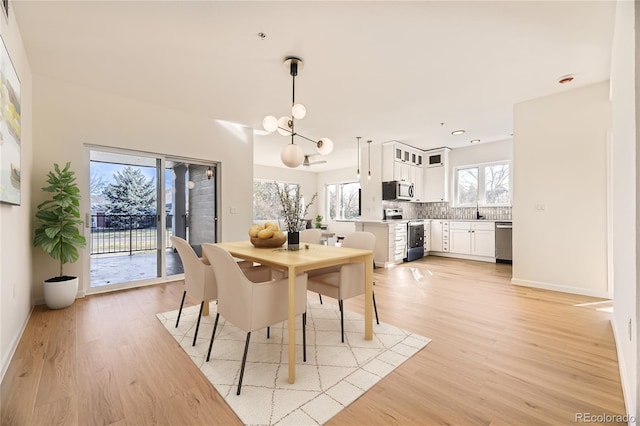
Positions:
(436, 175)
(403, 163)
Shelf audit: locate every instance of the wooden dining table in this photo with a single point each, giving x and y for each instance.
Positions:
(306, 259)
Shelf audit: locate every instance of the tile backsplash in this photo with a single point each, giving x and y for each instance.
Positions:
(443, 210)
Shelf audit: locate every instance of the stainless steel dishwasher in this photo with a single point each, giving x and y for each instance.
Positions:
(503, 242)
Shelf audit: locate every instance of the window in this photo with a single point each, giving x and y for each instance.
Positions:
(468, 185)
(343, 200)
(486, 184)
(266, 205)
(496, 184)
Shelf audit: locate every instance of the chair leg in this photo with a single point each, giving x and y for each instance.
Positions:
(181, 305)
(375, 308)
(268, 332)
(320, 296)
(195, 336)
(304, 337)
(215, 325)
(340, 303)
(244, 361)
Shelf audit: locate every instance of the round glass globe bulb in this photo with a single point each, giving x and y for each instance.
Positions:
(292, 155)
(270, 123)
(325, 146)
(298, 111)
(191, 184)
(283, 123)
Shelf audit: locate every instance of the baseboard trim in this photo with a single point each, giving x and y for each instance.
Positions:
(463, 256)
(603, 294)
(626, 390)
(14, 345)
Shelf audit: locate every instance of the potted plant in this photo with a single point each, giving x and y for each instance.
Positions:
(293, 212)
(58, 234)
(318, 222)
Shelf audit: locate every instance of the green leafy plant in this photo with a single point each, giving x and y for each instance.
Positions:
(318, 222)
(293, 210)
(59, 218)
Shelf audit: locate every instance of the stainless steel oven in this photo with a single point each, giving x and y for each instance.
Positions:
(415, 240)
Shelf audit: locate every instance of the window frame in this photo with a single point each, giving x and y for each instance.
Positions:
(482, 198)
(339, 185)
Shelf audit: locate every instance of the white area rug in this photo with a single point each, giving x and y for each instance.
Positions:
(335, 374)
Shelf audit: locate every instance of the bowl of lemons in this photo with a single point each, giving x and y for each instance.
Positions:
(267, 236)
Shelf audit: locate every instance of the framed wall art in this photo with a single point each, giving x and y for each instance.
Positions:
(9, 130)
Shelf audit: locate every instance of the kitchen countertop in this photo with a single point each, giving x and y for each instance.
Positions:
(382, 221)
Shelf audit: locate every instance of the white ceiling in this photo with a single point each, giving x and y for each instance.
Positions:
(384, 70)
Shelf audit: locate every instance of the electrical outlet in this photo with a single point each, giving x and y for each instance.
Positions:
(540, 207)
(233, 210)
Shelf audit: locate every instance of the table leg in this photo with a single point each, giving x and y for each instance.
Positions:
(292, 324)
(368, 297)
(205, 308)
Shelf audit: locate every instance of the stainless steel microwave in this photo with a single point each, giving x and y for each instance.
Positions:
(397, 190)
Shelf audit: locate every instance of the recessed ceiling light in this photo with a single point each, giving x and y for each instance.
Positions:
(457, 132)
(565, 79)
(475, 141)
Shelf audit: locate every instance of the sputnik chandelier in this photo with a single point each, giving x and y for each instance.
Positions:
(292, 155)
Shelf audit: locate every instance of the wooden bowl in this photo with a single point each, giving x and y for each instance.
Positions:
(272, 242)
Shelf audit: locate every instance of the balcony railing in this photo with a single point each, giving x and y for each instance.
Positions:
(121, 233)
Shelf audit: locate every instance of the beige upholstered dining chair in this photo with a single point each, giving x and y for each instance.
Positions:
(345, 281)
(311, 235)
(199, 279)
(253, 305)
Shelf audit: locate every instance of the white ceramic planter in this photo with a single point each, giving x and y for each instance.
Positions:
(60, 294)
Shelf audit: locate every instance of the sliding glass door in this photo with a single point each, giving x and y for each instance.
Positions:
(137, 202)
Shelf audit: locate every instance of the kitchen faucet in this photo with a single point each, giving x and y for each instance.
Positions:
(478, 215)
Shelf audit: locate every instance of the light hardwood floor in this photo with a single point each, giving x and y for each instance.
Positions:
(501, 354)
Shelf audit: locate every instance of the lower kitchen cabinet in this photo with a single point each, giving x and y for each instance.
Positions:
(427, 237)
(391, 241)
(472, 238)
(439, 235)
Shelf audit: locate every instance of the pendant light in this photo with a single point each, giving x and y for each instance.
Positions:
(369, 175)
(292, 155)
(358, 137)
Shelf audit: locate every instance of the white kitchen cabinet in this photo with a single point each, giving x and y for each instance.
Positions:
(416, 176)
(460, 237)
(400, 162)
(391, 241)
(427, 236)
(436, 175)
(440, 235)
(472, 238)
(483, 241)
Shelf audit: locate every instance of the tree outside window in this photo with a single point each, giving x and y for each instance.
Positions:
(266, 204)
(468, 186)
(496, 177)
(487, 184)
(343, 200)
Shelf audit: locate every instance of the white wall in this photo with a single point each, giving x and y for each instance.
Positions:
(490, 152)
(67, 116)
(371, 198)
(306, 179)
(15, 221)
(623, 199)
(559, 161)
